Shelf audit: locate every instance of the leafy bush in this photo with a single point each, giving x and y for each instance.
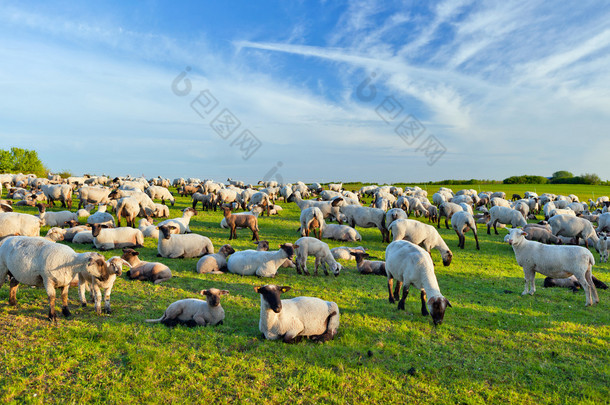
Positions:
(19, 160)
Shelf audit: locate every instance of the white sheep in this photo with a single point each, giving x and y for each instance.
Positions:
(215, 263)
(504, 215)
(87, 282)
(57, 218)
(193, 312)
(55, 234)
(366, 217)
(603, 222)
(149, 230)
(423, 235)
(573, 227)
(345, 252)
(145, 271)
(308, 246)
(85, 212)
(293, 319)
(341, 232)
(311, 219)
(394, 214)
(101, 217)
(39, 262)
(368, 266)
(182, 246)
(181, 223)
(462, 222)
(116, 238)
(556, 261)
(447, 209)
(14, 223)
(160, 193)
(260, 263)
(335, 187)
(328, 208)
(409, 265)
(83, 237)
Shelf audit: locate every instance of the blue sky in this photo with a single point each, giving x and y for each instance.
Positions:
(460, 89)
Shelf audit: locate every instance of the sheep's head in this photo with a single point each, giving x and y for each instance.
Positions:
(262, 245)
(213, 296)
(437, 306)
(226, 250)
(516, 235)
(271, 294)
(336, 268)
(359, 256)
(97, 267)
(289, 249)
(167, 230)
(129, 254)
(115, 265)
(447, 257)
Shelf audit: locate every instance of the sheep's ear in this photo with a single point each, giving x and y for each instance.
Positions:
(295, 246)
(284, 288)
(523, 233)
(224, 292)
(257, 289)
(449, 304)
(352, 253)
(203, 292)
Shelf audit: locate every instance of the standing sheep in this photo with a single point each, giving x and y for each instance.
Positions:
(307, 246)
(86, 281)
(462, 222)
(422, 235)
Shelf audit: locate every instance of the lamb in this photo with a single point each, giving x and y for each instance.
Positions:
(101, 217)
(368, 266)
(193, 312)
(149, 230)
(603, 222)
(83, 237)
(93, 195)
(423, 235)
(207, 200)
(256, 211)
(55, 234)
(335, 187)
(328, 208)
(312, 219)
(345, 252)
(504, 215)
(145, 271)
(39, 262)
(181, 223)
(574, 227)
(571, 283)
(216, 263)
(542, 225)
(242, 221)
(54, 218)
(160, 211)
(85, 212)
(392, 215)
(182, 246)
(160, 193)
(128, 207)
(116, 238)
(299, 317)
(553, 261)
(87, 282)
(263, 246)
(462, 222)
(260, 263)
(366, 217)
(307, 246)
(341, 232)
(14, 223)
(411, 265)
(447, 209)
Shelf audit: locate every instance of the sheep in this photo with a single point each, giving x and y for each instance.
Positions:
(242, 221)
(447, 209)
(366, 217)
(85, 212)
(160, 211)
(160, 193)
(263, 246)
(145, 271)
(182, 246)
(14, 223)
(603, 222)
(207, 200)
(344, 252)
(93, 195)
(572, 283)
(307, 246)
(181, 223)
(55, 234)
(256, 211)
(83, 237)
(559, 211)
(128, 207)
(504, 215)
(295, 318)
(423, 235)
(553, 261)
(392, 215)
(328, 208)
(86, 282)
(541, 235)
(335, 187)
(411, 265)
(39, 262)
(341, 232)
(368, 266)
(58, 218)
(275, 209)
(193, 312)
(542, 225)
(311, 219)
(149, 230)
(216, 263)
(462, 222)
(260, 263)
(59, 192)
(116, 238)
(416, 207)
(574, 227)
(102, 217)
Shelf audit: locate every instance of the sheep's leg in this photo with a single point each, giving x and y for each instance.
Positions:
(589, 277)
(12, 298)
(107, 300)
(447, 221)
(439, 222)
(255, 235)
(82, 288)
(424, 300)
(316, 265)
(64, 301)
(50, 288)
(405, 293)
(200, 320)
(397, 290)
(390, 296)
(488, 228)
(476, 239)
(495, 227)
(530, 287)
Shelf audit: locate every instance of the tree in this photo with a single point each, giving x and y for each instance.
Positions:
(561, 174)
(590, 178)
(20, 160)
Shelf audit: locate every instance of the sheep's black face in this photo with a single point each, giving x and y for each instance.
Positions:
(166, 231)
(271, 294)
(288, 249)
(437, 309)
(447, 258)
(213, 300)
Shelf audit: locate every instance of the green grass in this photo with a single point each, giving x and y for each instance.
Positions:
(494, 346)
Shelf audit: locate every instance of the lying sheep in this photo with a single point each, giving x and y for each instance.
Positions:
(148, 229)
(160, 211)
(307, 246)
(87, 282)
(299, 317)
(101, 217)
(263, 246)
(341, 232)
(571, 283)
(573, 227)
(345, 253)
(39, 262)
(14, 223)
(504, 215)
(423, 235)
(553, 261)
(181, 223)
(260, 263)
(215, 263)
(58, 218)
(116, 238)
(368, 266)
(145, 271)
(182, 246)
(462, 222)
(411, 265)
(85, 212)
(55, 234)
(83, 237)
(542, 235)
(193, 312)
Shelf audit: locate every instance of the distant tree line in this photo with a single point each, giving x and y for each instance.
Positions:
(19, 160)
(560, 177)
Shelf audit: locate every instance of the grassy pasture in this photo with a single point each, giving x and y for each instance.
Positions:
(495, 346)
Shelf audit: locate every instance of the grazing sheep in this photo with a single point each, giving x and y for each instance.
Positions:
(312, 219)
(182, 246)
(366, 217)
(128, 207)
(423, 235)
(101, 217)
(299, 317)
(215, 263)
(553, 261)
(145, 271)
(14, 223)
(58, 218)
(447, 209)
(39, 262)
(345, 253)
(341, 232)
(307, 246)
(504, 215)
(242, 221)
(573, 227)
(260, 263)
(116, 238)
(462, 222)
(207, 200)
(160, 193)
(411, 265)
(59, 192)
(181, 223)
(86, 282)
(368, 266)
(193, 312)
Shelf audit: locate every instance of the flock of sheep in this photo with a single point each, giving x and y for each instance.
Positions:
(550, 247)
